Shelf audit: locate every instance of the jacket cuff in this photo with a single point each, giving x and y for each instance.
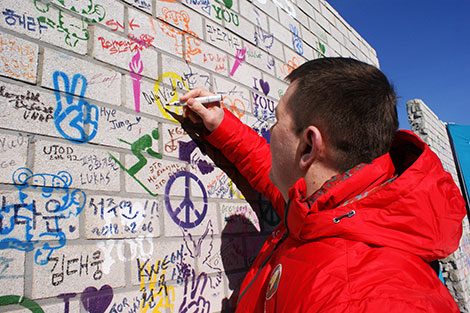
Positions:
(229, 126)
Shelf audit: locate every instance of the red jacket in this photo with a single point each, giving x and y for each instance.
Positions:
(362, 242)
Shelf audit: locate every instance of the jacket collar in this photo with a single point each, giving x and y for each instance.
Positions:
(336, 191)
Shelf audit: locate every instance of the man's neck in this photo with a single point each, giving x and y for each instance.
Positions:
(317, 176)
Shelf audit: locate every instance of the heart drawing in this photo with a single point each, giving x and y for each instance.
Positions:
(264, 86)
(97, 301)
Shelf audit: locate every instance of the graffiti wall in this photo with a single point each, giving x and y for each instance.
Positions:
(456, 267)
(108, 203)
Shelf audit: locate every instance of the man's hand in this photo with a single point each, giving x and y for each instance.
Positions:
(211, 114)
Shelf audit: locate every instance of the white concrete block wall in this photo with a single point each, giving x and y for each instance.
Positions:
(456, 267)
(107, 203)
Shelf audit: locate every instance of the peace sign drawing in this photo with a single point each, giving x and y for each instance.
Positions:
(186, 214)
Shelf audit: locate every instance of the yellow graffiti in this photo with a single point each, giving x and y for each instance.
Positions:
(176, 80)
(165, 294)
(238, 195)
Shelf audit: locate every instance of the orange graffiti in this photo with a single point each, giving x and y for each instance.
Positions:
(219, 60)
(232, 107)
(288, 67)
(17, 60)
(181, 20)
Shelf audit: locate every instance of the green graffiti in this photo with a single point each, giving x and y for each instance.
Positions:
(144, 143)
(322, 48)
(73, 29)
(24, 302)
(228, 3)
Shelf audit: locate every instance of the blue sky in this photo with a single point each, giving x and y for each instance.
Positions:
(423, 47)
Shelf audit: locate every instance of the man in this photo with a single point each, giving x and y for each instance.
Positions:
(365, 208)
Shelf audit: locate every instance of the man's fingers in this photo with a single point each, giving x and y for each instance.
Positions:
(196, 92)
(197, 107)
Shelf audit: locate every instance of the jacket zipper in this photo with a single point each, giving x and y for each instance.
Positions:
(284, 237)
(338, 219)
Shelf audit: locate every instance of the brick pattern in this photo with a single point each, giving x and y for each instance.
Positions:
(107, 203)
(426, 124)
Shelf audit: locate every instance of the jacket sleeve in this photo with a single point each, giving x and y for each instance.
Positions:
(250, 153)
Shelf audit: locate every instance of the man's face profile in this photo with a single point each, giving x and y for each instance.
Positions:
(284, 142)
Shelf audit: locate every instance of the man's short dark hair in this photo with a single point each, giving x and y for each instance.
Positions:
(351, 102)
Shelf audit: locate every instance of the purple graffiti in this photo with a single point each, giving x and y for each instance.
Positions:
(97, 301)
(186, 214)
(185, 151)
(193, 300)
(66, 297)
(264, 86)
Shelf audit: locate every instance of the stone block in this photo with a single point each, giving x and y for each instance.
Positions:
(261, 122)
(328, 12)
(201, 286)
(13, 154)
(246, 29)
(267, 7)
(235, 98)
(210, 58)
(261, 98)
(302, 18)
(317, 30)
(238, 218)
(199, 220)
(244, 74)
(121, 217)
(73, 301)
(258, 58)
(151, 98)
(322, 21)
(104, 12)
(84, 167)
(19, 58)
(222, 38)
(164, 36)
(187, 76)
(125, 301)
(42, 222)
(45, 22)
(179, 16)
(122, 129)
(154, 177)
(27, 109)
(162, 262)
(62, 71)
(253, 14)
(74, 268)
(13, 269)
(131, 54)
(281, 32)
(144, 5)
(213, 184)
(205, 9)
(293, 61)
(172, 136)
(230, 253)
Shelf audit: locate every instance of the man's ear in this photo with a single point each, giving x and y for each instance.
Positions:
(312, 146)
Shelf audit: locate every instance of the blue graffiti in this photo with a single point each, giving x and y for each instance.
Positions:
(19, 221)
(264, 120)
(71, 119)
(296, 41)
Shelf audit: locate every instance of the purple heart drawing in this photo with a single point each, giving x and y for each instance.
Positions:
(97, 301)
(264, 86)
